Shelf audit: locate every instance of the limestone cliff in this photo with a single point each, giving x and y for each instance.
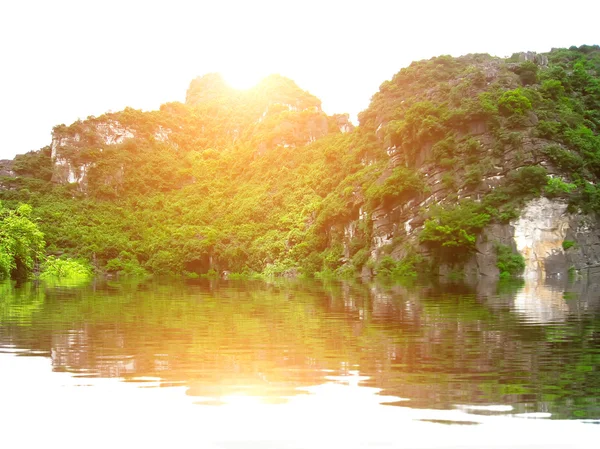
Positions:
(6, 168)
(465, 149)
(6, 173)
(274, 114)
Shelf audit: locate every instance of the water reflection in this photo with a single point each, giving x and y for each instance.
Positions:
(527, 349)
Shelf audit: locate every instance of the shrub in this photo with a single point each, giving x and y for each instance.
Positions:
(449, 181)
(54, 267)
(509, 263)
(126, 264)
(557, 187)
(564, 159)
(548, 129)
(444, 149)
(473, 176)
(389, 267)
(528, 180)
(360, 258)
(401, 184)
(452, 232)
(552, 89)
(513, 102)
(21, 242)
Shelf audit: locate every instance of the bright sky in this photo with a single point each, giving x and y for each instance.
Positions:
(62, 60)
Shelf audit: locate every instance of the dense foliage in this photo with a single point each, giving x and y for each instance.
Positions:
(21, 242)
(264, 181)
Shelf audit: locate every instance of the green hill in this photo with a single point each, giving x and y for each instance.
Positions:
(264, 181)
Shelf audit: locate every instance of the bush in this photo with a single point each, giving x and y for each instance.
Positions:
(552, 89)
(513, 102)
(126, 264)
(528, 180)
(548, 129)
(558, 187)
(401, 184)
(452, 232)
(510, 264)
(389, 267)
(361, 257)
(473, 176)
(564, 159)
(54, 267)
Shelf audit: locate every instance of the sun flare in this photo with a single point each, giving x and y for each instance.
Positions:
(242, 78)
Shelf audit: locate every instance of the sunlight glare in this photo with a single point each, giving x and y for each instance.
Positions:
(242, 78)
(242, 401)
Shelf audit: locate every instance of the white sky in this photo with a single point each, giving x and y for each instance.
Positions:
(62, 60)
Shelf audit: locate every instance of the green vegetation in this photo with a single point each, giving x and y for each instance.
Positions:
(54, 267)
(397, 269)
(509, 263)
(513, 102)
(451, 232)
(21, 242)
(264, 182)
(558, 187)
(401, 184)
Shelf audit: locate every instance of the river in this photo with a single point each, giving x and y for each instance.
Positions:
(299, 364)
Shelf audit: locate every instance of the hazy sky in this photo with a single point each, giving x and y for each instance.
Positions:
(63, 60)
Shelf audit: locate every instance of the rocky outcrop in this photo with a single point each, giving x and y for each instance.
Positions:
(6, 168)
(583, 243)
(552, 241)
(470, 161)
(539, 234)
(483, 262)
(343, 122)
(531, 56)
(72, 147)
(75, 149)
(6, 174)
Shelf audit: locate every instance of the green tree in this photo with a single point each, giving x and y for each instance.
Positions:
(451, 232)
(21, 242)
(513, 102)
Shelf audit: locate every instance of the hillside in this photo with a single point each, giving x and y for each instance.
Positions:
(473, 164)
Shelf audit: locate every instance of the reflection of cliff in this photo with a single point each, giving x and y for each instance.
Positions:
(438, 346)
(540, 303)
(543, 301)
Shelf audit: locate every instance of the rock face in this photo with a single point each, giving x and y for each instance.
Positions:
(6, 173)
(532, 56)
(584, 243)
(470, 163)
(343, 122)
(483, 263)
(551, 240)
(539, 234)
(6, 168)
(71, 147)
(274, 114)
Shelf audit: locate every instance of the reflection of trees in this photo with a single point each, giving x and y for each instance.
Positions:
(18, 305)
(437, 346)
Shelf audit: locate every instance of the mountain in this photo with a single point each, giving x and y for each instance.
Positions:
(474, 165)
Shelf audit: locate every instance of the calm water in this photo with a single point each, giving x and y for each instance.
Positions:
(252, 364)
